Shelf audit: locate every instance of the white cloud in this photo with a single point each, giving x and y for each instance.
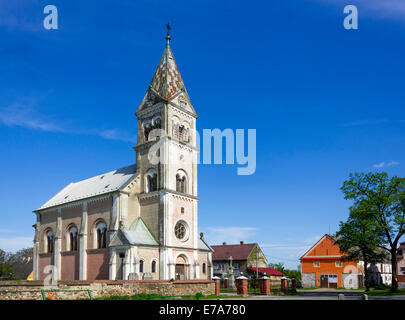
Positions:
(23, 115)
(230, 235)
(385, 164)
(116, 135)
(13, 244)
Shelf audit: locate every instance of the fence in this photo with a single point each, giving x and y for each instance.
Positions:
(43, 293)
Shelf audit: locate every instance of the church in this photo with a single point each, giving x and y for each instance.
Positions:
(138, 222)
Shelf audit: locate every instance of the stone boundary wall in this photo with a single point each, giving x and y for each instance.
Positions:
(104, 288)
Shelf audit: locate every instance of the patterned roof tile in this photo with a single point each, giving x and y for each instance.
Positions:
(167, 80)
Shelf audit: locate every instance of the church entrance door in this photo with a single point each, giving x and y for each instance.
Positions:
(180, 272)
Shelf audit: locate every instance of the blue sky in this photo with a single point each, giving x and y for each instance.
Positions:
(325, 101)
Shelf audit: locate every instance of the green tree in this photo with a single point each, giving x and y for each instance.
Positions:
(22, 262)
(385, 200)
(359, 237)
(293, 274)
(6, 269)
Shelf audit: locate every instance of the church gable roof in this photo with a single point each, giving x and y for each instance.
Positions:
(119, 239)
(202, 245)
(98, 185)
(139, 234)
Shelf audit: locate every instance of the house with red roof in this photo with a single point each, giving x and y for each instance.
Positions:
(244, 257)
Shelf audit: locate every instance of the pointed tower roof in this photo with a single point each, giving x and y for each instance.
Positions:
(167, 81)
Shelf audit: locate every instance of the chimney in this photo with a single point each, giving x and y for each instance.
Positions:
(224, 243)
(241, 242)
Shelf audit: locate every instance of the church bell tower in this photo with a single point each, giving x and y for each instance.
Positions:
(166, 160)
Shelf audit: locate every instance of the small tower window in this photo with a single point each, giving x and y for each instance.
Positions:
(181, 182)
(151, 181)
(182, 210)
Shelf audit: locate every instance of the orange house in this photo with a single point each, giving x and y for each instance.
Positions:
(323, 266)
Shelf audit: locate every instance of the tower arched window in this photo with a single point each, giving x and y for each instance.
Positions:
(181, 182)
(101, 235)
(153, 266)
(49, 241)
(72, 239)
(147, 127)
(151, 181)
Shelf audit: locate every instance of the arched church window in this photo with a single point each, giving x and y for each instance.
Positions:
(151, 181)
(181, 182)
(147, 127)
(72, 239)
(141, 266)
(101, 235)
(49, 241)
(153, 266)
(204, 268)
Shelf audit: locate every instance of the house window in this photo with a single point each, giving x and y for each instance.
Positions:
(236, 265)
(153, 267)
(101, 235)
(72, 238)
(204, 267)
(141, 266)
(338, 264)
(317, 264)
(49, 241)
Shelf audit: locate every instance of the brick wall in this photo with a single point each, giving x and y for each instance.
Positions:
(70, 265)
(97, 264)
(106, 288)
(44, 260)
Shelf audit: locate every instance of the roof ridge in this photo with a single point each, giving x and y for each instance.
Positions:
(104, 173)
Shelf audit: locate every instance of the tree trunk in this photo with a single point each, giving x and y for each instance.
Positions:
(366, 278)
(394, 283)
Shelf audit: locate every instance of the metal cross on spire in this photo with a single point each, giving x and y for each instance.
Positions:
(168, 33)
